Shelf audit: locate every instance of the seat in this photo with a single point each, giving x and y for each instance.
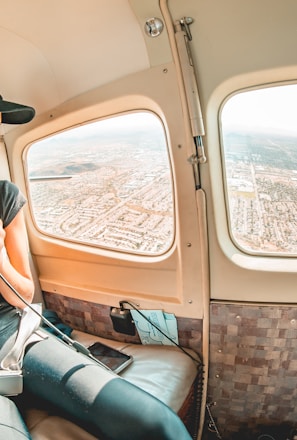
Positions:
(163, 371)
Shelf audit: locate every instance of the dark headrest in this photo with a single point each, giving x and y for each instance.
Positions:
(13, 113)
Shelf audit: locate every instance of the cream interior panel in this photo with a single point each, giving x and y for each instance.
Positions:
(235, 275)
(53, 56)
(238, 45)
(173, 281)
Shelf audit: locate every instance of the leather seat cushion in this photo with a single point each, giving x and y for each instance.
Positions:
(163, 371)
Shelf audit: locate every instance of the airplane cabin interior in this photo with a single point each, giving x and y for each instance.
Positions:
(154, 142)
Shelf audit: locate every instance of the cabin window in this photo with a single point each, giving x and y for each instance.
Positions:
(259, 137)
(107, 183)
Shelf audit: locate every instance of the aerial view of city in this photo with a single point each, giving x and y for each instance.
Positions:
(104, 192)
(261, 170)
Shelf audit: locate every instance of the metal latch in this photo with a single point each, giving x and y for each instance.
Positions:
(185, 23)
(183, 37)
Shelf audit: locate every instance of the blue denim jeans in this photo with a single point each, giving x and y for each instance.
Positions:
(9, 323)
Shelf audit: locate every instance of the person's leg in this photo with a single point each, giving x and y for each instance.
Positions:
(9, 324)
(106, 405)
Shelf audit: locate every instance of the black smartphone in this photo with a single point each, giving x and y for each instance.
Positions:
(111, 357)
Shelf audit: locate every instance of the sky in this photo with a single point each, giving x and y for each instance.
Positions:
(273, 108)
(127, 123)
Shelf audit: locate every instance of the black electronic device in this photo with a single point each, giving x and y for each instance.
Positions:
(114, 359)
(122, 321)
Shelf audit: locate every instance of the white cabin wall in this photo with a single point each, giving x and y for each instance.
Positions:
(238, 45)
(54, 50)
(101, 276)
(4, 166)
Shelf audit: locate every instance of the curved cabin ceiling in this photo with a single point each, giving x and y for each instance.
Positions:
(53, 50)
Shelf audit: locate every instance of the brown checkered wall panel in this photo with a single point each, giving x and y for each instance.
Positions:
(94, 318)
(253, 365)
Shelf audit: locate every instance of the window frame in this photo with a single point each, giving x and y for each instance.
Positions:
(248, 252)
(98, 248)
